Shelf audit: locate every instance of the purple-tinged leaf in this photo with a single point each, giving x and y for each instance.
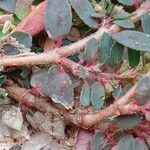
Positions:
(84, 10)
(55, 83)
(142, 91)
(139, 144)
(84, 139)
(58, 18)
(100, 142)
(90, 49)
(8, 5)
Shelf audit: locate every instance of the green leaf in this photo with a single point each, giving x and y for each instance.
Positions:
(142, 91)
(145, 18)
(125, 143)
(104, 47)
(139, 144)
(133, 39)
(125, 23)
(85, 95)
(99, 142)
(97, 95)
(133, 57)
(115, 55)
(128, 121)
(90, 49)
(23, 38)
(126, 2)
(56, 84)
(23, 7)
(2, 79)
(58, 18)
(84, 10)
(8, 5)
(121, 15)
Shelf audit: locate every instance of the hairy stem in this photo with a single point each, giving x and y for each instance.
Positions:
(56, 54)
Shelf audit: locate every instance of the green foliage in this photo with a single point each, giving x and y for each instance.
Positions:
(8, 5)
(85, 95)
(58, 18)
(56, 84)
(115, 55)
(126, 2)
(90, 49)
(99, 142)
(84, 10)
(97, 95)
(23, 38)
(142, 91)
(104, 47)
(2, 79)
(125, 23)
(121, 15)
(133, 57)
(133, 39)
(128, 121)
(139, 144)
(145, 18)
(23, 7)
(125, 143)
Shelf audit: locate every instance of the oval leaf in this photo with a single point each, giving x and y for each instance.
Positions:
(84, 10)
(128, 121)
(91, 49)
(104, 47)
(139, 144)
(133, 57)
(125, 23)
(56, 84)
(125, 143)
(99, 142)
(97, 95)
(133, 39)
(10, 49)
(126, 2)
(115, 55)
(145, 18)
(23, 38)
(58, 18)
(142, 91)
(85, 95)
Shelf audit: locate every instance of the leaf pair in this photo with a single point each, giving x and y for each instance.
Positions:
(58, 16)
(94, 94)
(127, 142)
(110, 54)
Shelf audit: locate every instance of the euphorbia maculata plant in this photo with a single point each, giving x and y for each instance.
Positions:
(87, 61)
